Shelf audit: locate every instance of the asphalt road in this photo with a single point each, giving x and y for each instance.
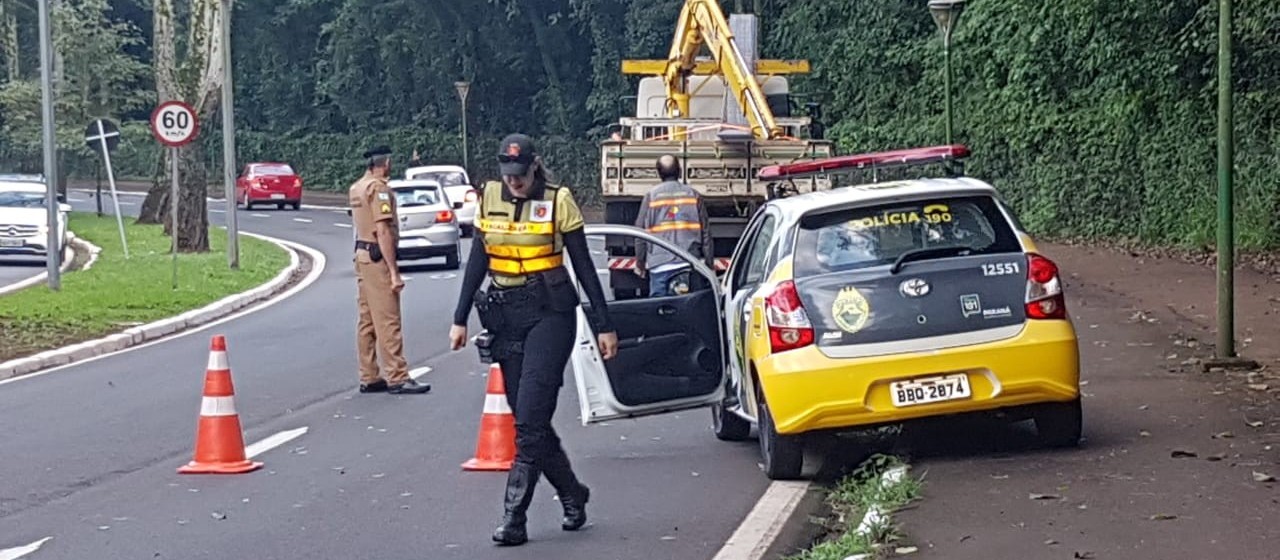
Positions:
(90, 451)
(15, 269)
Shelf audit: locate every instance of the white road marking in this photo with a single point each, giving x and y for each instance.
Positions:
(443, 276)
(273, 442)
(261, 215)
(302, 220)
(216, 211)
(19, 552)
(406, 278)
(757, 532)
(317, 269)
(343, 225)
(417, 373)
(128, 203)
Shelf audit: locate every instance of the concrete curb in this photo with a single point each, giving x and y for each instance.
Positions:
(159, 329)
(68, 256)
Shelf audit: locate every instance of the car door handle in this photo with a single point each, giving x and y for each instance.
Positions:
(666, 310)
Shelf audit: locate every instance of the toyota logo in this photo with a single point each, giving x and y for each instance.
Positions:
(915, 287)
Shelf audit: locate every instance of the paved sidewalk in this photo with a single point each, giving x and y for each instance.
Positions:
(1177, 461)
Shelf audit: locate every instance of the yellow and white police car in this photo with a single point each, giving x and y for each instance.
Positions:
(850, 308)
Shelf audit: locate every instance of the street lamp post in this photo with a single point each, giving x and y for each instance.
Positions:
(464, 88)
(1225, 348)
(946, 13)
(229, 141)
(48, 138)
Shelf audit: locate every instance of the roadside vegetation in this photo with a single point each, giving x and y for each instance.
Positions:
(850, 530)
(115, 293)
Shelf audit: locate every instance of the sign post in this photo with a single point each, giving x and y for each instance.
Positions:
(49, 141)
(175, 125)
(102, 137)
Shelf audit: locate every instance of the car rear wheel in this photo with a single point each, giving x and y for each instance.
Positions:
(783, 455)
(467, 231)
(454, 261)
(1060, 424)
(729, 426)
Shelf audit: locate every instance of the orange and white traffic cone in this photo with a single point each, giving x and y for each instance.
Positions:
(219, 441)
(496, 445)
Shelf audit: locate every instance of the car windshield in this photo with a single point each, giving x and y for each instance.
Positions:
(417, 196)
(445, 178)
(272, 170)
(853, 238)
(20, 199)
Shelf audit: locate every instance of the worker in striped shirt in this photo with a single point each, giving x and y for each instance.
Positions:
(673, 211)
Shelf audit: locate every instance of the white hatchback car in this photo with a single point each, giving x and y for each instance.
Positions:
(24, 217)
(457, 186)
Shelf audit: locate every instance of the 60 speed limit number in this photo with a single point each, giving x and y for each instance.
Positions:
(174, 124)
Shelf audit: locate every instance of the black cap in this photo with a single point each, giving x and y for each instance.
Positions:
(377, 151)
(515, 154)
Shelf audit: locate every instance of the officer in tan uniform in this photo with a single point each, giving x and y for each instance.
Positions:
(378, 282)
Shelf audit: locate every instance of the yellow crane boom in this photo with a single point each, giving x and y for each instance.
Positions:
(702, 23)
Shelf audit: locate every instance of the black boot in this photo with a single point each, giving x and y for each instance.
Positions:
(573, 494)
(521, 482)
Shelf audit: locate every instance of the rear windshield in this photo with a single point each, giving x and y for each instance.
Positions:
(445, 178)
(417, 196)
(853, 238)
(273, 170)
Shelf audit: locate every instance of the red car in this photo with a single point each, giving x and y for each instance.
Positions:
(269, 183)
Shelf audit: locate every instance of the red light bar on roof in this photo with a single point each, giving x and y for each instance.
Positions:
(896, 158)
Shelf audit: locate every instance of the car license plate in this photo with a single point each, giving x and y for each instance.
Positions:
(277, 196)
(929, 390)
(10, 242)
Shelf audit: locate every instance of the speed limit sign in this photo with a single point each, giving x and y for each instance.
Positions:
(174, 124)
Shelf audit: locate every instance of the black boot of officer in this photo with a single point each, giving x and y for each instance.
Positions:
(521, 482)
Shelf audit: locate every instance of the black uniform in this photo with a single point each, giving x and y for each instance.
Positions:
(529, 309)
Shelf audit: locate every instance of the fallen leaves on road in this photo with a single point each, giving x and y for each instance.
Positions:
(1144, 433)
(1183, 453)
(1263, 477)
(1253, 423)
(1259, 386)
(906, 550)
(1084, 555)
(218, 515)
(1223, 435)
(1216, 457)
(1050, 542)
(1163, 517)
(1045, 497)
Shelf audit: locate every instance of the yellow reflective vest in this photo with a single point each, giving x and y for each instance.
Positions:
(524, 236)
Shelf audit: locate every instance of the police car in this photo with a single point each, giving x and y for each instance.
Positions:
(846, 309)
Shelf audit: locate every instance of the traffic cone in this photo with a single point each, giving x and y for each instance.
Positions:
(496, 445)
(219, 442)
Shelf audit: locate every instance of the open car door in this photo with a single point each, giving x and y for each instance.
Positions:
(671, 350)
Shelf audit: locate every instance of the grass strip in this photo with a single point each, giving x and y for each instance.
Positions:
(117, 293)
(849, 502)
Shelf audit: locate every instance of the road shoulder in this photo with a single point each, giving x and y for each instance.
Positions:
(304, 267)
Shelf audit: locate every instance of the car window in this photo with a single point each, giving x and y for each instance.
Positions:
(417, 196)
(756, 258)
(445, 178)
(273, 170)
(853, 238)
(20, 199)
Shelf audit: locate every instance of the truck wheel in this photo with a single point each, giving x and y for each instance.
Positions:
(729, 426)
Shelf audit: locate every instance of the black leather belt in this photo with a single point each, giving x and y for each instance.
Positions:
(366, 245)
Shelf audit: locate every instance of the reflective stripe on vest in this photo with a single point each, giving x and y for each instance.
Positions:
(676, 211)
(519, 245)
(675, 225)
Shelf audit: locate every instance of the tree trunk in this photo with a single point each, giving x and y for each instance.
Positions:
(9, 41)
(193, 214)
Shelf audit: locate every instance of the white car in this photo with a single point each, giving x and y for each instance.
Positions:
(24, 217)
(457, 186)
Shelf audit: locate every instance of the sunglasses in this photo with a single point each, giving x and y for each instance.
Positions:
(523, 159)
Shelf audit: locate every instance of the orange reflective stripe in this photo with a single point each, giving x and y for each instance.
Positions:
(519, 251)
(672, 226)
(671, 202)
(528, 266)
(503, 226)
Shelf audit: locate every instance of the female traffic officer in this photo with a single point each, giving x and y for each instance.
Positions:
(525, 225)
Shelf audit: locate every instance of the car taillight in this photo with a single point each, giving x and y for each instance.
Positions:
(471, 196)
(789, 326)
(1045, 299)
(444, 216)
(297, 182)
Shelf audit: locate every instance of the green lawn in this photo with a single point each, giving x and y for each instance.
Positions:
(117, 293)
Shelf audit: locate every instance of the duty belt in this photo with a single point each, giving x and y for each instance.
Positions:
(366, 245)
(530, 291)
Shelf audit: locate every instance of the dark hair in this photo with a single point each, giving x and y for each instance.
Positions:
(542, 174)
(379, 161)
(668, 168)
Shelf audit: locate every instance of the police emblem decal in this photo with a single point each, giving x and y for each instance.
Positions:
(513, 150)
(540, 211)
(850, 310)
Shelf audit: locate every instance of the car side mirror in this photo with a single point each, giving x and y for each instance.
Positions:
(457, 206)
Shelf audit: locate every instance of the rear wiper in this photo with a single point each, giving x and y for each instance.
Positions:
(412, 204)
(927, 253)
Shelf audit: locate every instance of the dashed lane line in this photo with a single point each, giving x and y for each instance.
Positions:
(752, 539)
(418, 373)
(273, 442)
(19, 552)
(342, 225)
(302, 220)
(261, 215)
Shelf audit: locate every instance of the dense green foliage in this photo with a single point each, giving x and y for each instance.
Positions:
(1096, 117)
